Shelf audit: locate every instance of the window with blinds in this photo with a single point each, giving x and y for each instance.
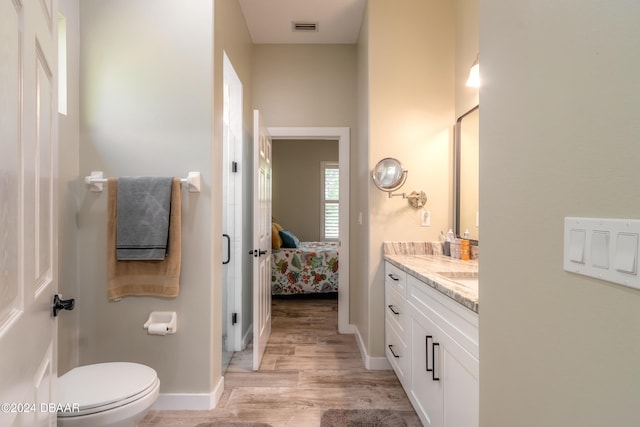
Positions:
(330, 207)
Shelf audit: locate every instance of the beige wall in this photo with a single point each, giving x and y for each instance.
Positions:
(559, 137)
(411, 68)
(359, 203)
(146, 102)
(69, 185)
(305, 85)
(297, 184)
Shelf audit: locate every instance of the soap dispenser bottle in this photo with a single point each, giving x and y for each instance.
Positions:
(447, 242)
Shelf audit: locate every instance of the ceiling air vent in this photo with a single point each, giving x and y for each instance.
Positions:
(304, 26)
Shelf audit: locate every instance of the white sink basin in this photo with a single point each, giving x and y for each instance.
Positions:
(466, 278)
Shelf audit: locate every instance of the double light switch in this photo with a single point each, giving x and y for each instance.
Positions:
(606, 249)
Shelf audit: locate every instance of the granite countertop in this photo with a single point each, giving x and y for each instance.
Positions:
(459, 281)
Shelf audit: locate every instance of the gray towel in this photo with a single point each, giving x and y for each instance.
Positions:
(144, 206)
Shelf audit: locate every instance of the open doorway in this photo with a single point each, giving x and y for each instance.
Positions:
(341, 135)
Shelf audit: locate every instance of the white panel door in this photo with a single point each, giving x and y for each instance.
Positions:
(261, 238)
(28, 206)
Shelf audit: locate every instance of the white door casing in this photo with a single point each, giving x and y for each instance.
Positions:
(28, 211)
(261, 252)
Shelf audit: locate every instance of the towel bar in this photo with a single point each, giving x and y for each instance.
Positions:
(96, 181)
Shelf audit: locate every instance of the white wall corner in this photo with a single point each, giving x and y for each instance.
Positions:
(370, 362)
(189, 401)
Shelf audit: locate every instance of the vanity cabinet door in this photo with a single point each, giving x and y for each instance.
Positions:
(444, 377)
(426, 393)
(461, 388)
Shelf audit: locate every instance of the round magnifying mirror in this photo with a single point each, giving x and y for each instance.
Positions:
(389, 175)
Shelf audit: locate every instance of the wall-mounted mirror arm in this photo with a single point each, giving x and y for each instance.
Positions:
(417, 199)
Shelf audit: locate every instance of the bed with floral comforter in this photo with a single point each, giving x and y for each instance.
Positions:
(310, 268)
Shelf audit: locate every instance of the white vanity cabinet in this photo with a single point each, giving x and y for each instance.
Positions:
(442, 341)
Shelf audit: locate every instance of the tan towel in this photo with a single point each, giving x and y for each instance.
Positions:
(156, 278)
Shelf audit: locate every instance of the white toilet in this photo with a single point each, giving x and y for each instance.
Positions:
(116, 394)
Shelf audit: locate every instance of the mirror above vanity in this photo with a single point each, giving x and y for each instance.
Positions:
(466, 165)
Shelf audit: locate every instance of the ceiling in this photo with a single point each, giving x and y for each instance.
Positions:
(270, 21)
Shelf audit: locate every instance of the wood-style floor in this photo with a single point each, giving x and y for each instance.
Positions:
(307, 368)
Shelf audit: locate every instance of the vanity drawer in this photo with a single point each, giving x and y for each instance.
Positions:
(396, 310)
(397, 352)
(395, 277)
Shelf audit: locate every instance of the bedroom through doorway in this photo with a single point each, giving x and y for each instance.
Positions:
(305, 203)
(309, 165)
(306, 188)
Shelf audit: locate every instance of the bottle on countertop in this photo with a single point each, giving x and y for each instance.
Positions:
(465, 249)
(447, 242)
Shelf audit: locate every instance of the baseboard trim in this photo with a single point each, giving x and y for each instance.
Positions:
(189, 401)
(370, 362)
(349, 329)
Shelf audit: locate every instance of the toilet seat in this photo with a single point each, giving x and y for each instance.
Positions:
(97, 388)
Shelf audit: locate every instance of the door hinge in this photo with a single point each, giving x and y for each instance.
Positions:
(234, 318)
(234, 167)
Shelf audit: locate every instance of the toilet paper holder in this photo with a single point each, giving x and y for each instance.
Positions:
(162, 323)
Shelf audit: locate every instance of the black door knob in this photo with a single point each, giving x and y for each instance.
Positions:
(62, 304)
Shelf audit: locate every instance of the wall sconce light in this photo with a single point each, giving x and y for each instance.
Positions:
(389, 176)
(474, 73)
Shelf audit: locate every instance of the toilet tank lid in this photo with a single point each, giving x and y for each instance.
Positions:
(101, 384)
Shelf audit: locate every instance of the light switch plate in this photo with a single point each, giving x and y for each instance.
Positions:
(603, 248)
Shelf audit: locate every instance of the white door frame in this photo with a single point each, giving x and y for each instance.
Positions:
(342, 134)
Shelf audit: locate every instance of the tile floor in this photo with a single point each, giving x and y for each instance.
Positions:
(307, 368)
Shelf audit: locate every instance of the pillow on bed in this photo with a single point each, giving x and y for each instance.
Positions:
(276, 240)
(289, 240)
